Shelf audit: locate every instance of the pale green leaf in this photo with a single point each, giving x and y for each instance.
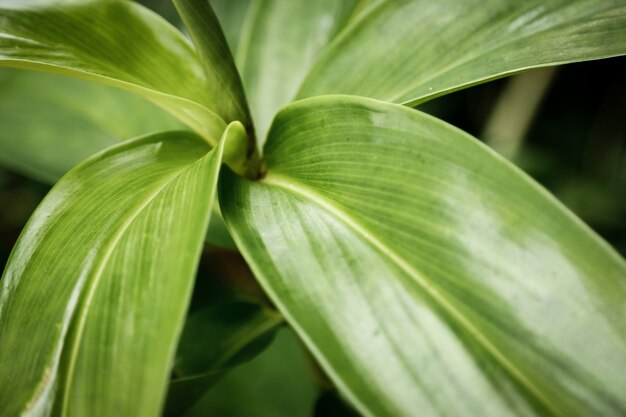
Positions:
(96, 289)
(215, 339)
(409, 51)
(231, 15)
(50, 123)
(428, 275)
(114, 42)
(278, 44)
(218, 63)
(278, 383)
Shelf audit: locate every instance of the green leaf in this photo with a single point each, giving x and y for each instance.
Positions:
(96, 289)
(218, 63)
(410, 51)
(278, 44)
(217, 235)
(278, 383)
(118, 43)
(231, 15)
(50, 123)
(215, 339)
(427, 273)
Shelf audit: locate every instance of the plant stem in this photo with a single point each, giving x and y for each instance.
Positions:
(515, 110)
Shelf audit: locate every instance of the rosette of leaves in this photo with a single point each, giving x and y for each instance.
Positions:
(427, 275)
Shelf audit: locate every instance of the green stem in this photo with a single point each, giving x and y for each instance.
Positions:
(515, 110)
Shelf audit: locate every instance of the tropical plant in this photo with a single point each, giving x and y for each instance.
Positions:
(426, 274)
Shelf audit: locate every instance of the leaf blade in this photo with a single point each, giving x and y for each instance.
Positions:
(218, 63)
(388, 239)
(61, 121)
(276, 47)
(277, 383)
(239, 331)
(114, 208)
(117, 43)
(411, 51)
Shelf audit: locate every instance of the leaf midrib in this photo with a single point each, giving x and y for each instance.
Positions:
(83, 309)
(130, 87)
(292, 185)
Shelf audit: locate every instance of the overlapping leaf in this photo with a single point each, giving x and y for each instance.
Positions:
(276, 44)
(231, 15)
(427, 274)
(218, 64)
(50, 123)
(409, 51)
(216, 338)
(99, 281)
(278, 383)
(115, 42)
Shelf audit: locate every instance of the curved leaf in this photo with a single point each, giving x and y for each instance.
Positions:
(231, 15)
(96, 289)
(218, 63)
(215, 339)
(277, 383)
(118, 43)
(427, 273)
(410, 51)
(50, 123)
(278, 44)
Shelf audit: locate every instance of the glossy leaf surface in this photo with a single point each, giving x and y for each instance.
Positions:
(409, 51)
(115, 42)
(215, 339)
(278, 43)
(99, 281)
(50, 123)
(427, 273)
(218, 63)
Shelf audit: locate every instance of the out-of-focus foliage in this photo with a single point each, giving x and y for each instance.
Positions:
(278, 383)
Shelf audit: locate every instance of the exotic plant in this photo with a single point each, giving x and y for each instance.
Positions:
(426, 274)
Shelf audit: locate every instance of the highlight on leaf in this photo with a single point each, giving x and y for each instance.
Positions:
(249, 218)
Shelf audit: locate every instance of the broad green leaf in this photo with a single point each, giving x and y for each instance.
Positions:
(278, 383)
(50, 123)
(427, 273)
(215, 339)
(278, 44)
(218, 63)
(96, 289)
(231, 15)
(115, 42)
(409, 51)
